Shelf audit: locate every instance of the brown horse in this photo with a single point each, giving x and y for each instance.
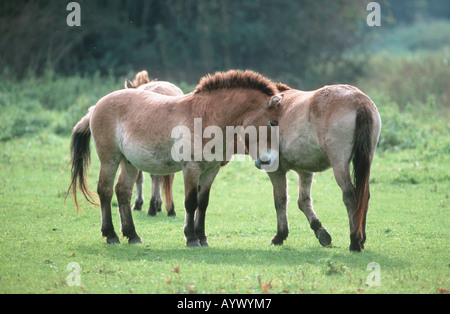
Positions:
(134, 129)
(142, 82)
(330, 127)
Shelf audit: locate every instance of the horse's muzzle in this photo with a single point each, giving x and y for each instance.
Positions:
(268, 161)
(259, 162)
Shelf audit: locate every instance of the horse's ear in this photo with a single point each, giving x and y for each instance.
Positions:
(141, 78)
(129, 84)
(275, 100)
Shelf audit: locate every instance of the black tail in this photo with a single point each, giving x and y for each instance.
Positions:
(80, 160)
(362, 151)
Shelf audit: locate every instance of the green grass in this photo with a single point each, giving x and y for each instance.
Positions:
(408, 231)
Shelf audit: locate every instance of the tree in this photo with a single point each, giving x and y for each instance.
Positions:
(303, 43)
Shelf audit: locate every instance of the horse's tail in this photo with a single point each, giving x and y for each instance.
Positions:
(362, 153)
(80, 160)
(167, 188)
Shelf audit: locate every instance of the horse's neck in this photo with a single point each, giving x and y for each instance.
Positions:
(295, 107)
(228, 108)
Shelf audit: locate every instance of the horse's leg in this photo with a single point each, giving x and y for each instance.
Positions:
(139, 200)
(124, 191)
(105, 190)
(155, 200)
(279, 184)
(305, 204)
(168, 188)
(342, 176)
(191, 174)
(204, 187)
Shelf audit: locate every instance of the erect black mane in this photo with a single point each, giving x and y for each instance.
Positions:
(236, 79)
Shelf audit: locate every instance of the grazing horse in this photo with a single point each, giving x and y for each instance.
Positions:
(142, 82)
(330, 127)
(133, 129)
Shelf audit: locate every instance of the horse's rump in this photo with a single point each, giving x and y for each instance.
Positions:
(333, 126)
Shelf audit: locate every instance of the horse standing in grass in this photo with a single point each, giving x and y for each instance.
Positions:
(330, 127)
(142, 82)
(132, 129)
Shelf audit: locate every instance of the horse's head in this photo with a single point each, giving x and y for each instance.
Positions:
(267, 144)
(272, 109)
(253, 108)
(269, 160)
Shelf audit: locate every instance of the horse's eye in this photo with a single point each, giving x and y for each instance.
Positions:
(272, 123)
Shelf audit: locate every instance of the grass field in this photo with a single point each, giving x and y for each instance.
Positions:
(408, 231)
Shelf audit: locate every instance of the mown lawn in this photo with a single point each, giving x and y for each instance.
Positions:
(408, 233)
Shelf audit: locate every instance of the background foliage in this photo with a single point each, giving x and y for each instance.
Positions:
(305, 43)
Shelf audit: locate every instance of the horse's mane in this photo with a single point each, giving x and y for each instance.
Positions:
(236, 79)
(282, 87)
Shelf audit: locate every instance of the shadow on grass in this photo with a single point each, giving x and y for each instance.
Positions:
(236, 256)
(229, 251)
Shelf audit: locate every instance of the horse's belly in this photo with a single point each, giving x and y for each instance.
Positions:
(318, 164)
(305, 156)
(158, 167)
(153, 159)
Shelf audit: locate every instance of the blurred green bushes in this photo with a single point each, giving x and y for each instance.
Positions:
(411, 79)
(49, 102)
(407, 76)
(424, 35)
(183, 40)
(424, 127)
(410, 63)
(412, 93)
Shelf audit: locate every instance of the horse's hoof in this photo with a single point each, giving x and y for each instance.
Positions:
(323, 236)
(276, 242)
(138, 205)
(171, 212)
(204, 243)
(356, 248)
(193, 244)
(113, 241)
(135, 240)
(356, 243)
(155, 206)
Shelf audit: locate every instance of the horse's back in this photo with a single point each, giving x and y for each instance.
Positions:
(162, 87)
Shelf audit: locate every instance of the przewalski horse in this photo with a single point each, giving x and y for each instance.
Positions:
(142, 82)
(134, 129)
(330, 127)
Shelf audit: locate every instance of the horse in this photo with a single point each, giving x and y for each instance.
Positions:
(142, 82)
(328, 127)
(132, 129)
